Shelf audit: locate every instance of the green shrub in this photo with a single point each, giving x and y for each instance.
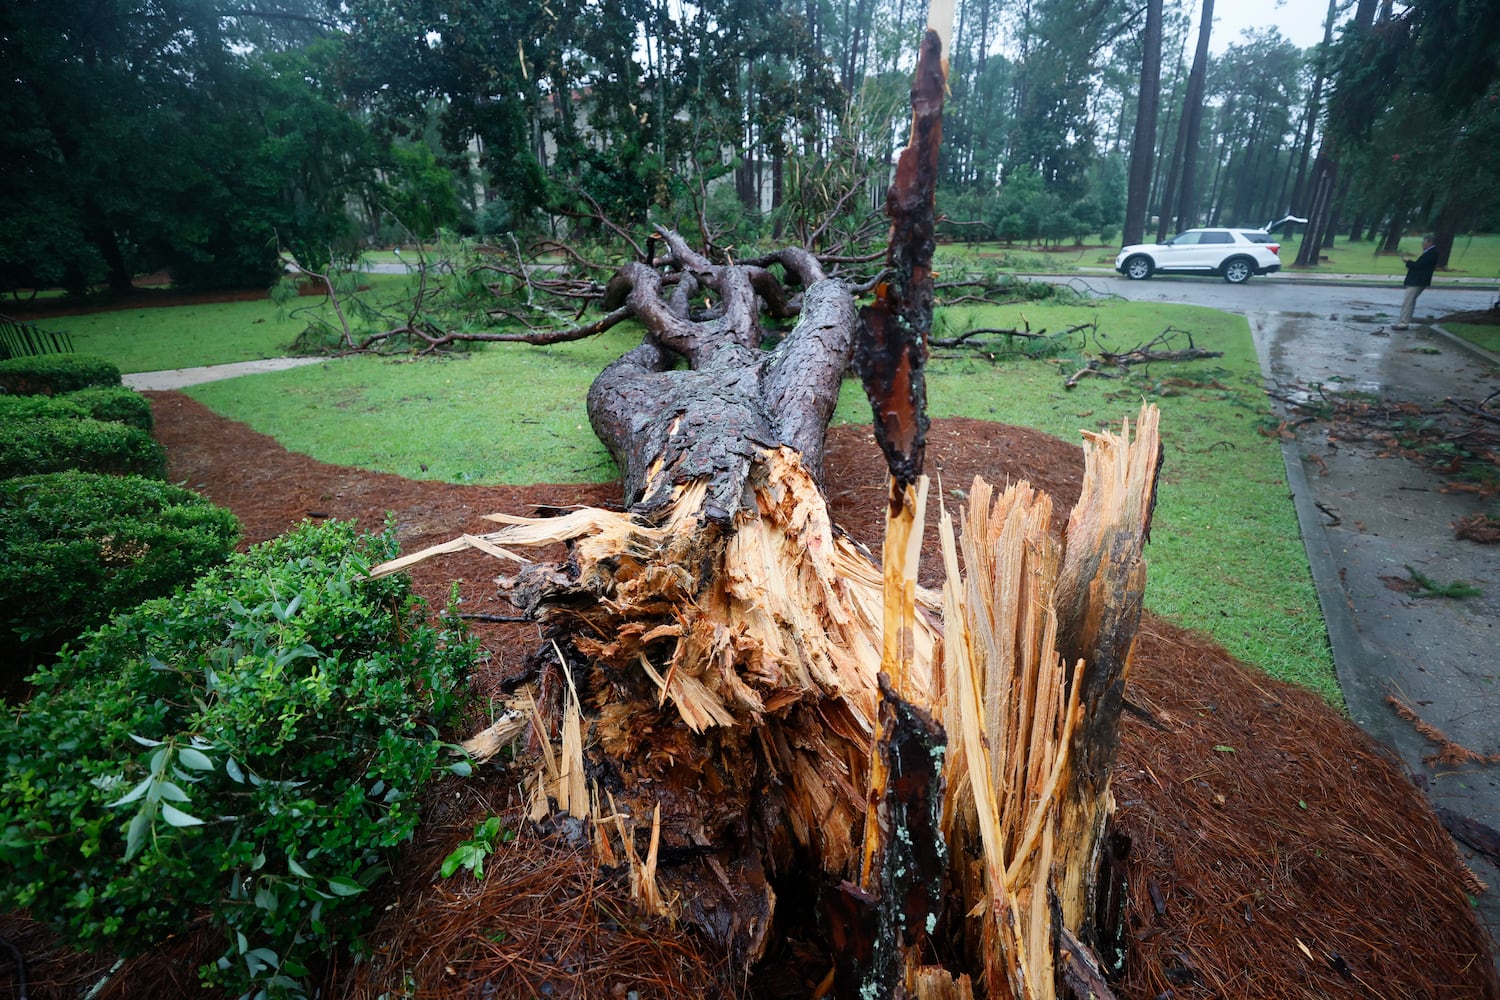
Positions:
(115, 404)
(249, 750)
(50, 374)
(118, 404)
(76, 547)
(56, 444)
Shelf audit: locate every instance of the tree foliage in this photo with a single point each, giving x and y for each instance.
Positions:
(202, 139)
(168, 135)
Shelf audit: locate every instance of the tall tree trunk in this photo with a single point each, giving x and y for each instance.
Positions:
(1169, 191)
(1143, 147)
(1314, 104)
(1187, 198)
(1395, 226)
(1446, 231)
(1326, 167)
(1324, 177)
(117, 271)
(1340, 198)
(1162, 185)
(1357, 227)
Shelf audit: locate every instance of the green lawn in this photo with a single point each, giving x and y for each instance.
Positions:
(1225, 555)
(1487, 337)
(508, 414)
(1472, 257)
(152, 338)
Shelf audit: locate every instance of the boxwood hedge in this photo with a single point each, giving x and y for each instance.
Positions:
(76, 547)
(56, 444)
(50, 374)
(249, 749)
(115, 404)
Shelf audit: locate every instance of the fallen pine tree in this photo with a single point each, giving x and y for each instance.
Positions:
(721, 659)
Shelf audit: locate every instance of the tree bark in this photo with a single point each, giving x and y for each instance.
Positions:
(1187, 195)
(1143, 148)
(721, 659)
(1314, 106)
(666, 426)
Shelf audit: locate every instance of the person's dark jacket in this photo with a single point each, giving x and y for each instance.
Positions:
(1419, 271)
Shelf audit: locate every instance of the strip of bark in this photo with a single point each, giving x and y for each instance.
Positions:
(891, 346)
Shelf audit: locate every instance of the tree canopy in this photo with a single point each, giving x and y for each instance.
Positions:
(203, 137)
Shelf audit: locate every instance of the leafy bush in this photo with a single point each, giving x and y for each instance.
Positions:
(56, 444)
(118, 404)
(114, 404)
(249, 749)
(76, 547)
(50, 374)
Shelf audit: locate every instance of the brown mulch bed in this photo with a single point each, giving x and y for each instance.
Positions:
(1276, 851)
(1477, 317)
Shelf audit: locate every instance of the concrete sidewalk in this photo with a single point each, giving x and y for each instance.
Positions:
(1369, 521)
(177, 378)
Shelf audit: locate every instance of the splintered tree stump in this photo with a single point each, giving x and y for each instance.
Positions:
(728, 682)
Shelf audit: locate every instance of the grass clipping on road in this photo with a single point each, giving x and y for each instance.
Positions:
(1226, 551)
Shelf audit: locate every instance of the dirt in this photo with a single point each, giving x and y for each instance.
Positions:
(1476, 317)
(1276, 852)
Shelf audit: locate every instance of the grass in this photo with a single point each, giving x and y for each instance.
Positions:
(150, 338)
(1487, 337)
(1475, 256)
(511, 414)
(1226, 556)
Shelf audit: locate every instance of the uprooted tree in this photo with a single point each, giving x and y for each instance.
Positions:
(775, 731)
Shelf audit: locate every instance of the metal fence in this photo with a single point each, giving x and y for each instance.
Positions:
(20, 339)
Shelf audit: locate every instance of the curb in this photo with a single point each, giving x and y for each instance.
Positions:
(1344, 640)
(1481, 353)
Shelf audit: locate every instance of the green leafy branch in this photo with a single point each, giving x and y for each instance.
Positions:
(471, 853)
(157, 792)
(1456, 590)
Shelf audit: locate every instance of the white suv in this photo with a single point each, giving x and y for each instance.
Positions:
(1235, 254)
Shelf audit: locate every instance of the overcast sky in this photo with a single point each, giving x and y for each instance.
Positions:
(1300, 21)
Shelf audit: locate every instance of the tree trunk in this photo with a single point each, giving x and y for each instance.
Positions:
(1142, 149)
(1187, 195)
(667, 426)
(1314, 103)
(1396, 226)
(1326, 167)
(1324, 176)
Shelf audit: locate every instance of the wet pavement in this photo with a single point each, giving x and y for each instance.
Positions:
(1372, 523)
(1371, 520)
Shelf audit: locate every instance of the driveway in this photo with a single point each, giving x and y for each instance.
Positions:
(1372, 522)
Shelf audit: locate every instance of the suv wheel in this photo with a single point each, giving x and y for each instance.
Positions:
(1138, 268)
(1237, 270)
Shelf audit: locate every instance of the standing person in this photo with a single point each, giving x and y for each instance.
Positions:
(1418, 277)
